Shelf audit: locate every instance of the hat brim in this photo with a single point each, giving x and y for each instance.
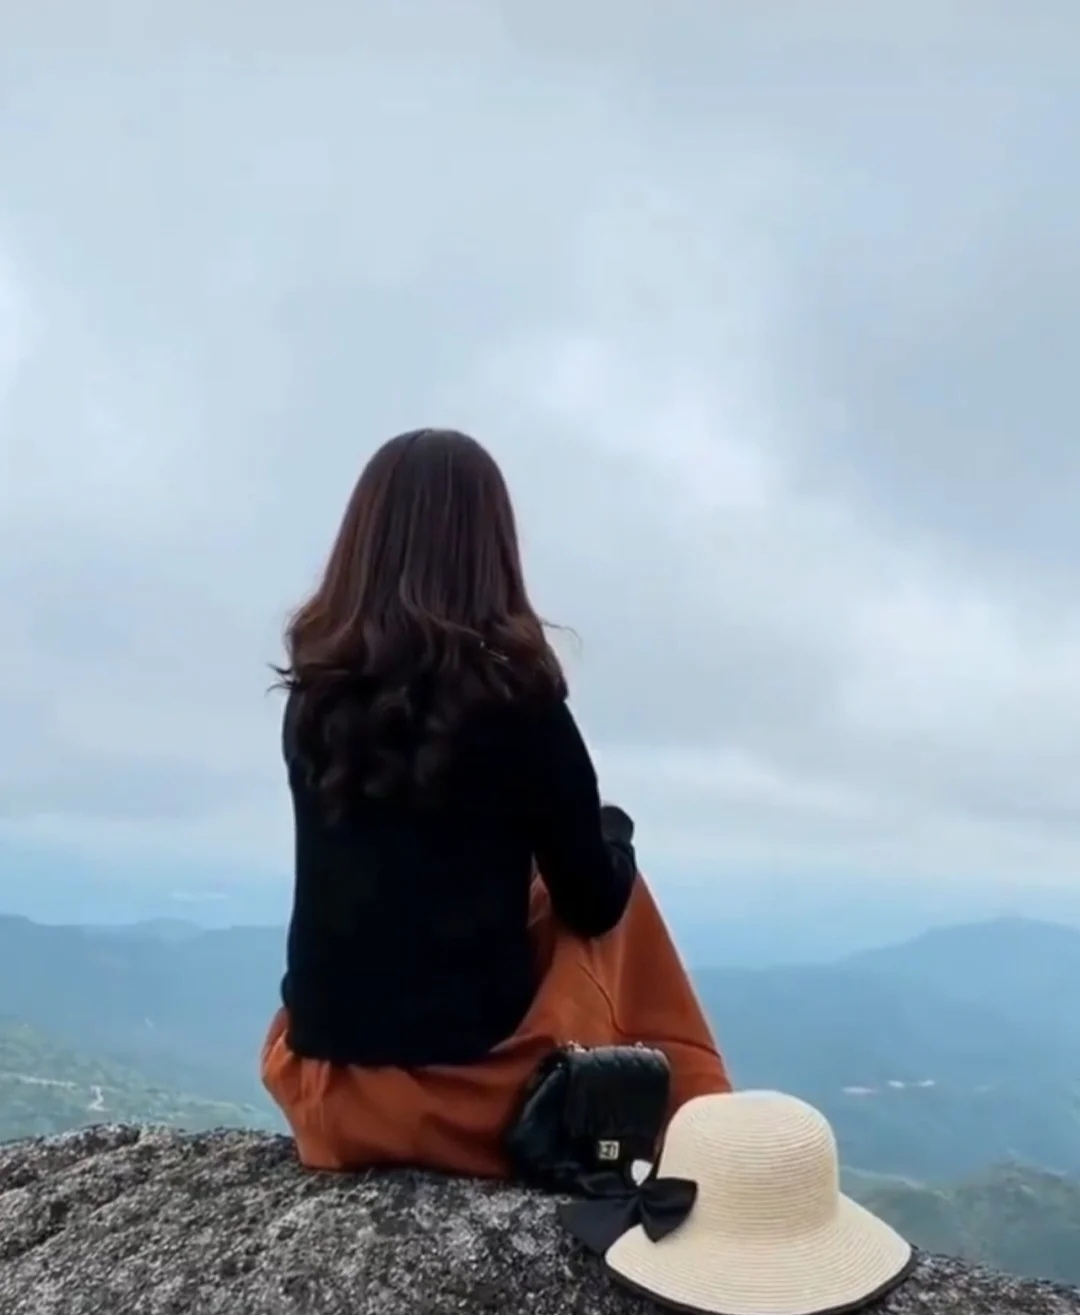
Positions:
(852, 1261)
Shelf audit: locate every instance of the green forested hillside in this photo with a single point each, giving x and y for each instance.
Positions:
(1015, 1218)
(46, 1087)
(189, 1011)
(932, 1059)
(927, 1067)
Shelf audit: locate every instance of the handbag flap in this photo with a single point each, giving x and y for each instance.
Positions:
(616, 1093)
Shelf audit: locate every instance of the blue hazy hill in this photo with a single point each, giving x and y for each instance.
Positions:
(933, 1058)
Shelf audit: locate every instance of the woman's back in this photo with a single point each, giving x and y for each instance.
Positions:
(409, 941)
(456, 873)
(432, 759)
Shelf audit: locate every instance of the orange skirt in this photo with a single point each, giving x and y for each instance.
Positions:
(627, 986)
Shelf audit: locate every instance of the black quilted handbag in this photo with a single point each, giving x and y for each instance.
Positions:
(588, 1111)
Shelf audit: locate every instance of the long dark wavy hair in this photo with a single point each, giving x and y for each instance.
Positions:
(421, 618)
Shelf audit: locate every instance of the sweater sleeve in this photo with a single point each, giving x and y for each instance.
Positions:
(584, 850)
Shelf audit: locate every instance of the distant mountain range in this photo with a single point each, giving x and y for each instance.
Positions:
(47, 1088)
(188, 1011)
(933, 1059)
(719, 917)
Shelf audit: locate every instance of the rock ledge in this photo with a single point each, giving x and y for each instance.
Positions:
(147, 1221)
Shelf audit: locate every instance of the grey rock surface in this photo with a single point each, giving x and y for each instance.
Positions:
(137, 1221)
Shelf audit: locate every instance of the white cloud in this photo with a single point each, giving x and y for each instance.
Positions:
(762, 345)
(942, 745)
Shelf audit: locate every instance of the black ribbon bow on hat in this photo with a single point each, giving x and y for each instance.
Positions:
(613, 1206)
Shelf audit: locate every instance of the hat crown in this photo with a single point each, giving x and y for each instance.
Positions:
(764, 1162)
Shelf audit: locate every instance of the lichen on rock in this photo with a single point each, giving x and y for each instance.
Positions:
(148, 1221)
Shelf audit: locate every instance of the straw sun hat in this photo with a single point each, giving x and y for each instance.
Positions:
(743, 1215)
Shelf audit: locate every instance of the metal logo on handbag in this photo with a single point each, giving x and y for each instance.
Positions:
(586, 1110)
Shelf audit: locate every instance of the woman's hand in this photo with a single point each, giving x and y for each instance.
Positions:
(616, 824)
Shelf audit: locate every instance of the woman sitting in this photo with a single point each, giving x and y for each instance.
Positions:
(463, 902)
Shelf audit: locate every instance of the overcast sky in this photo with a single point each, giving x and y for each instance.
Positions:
(771, 313)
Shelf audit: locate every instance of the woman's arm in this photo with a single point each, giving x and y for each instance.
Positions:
(584, 850)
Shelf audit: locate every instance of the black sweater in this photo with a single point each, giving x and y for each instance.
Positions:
(408, 943)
